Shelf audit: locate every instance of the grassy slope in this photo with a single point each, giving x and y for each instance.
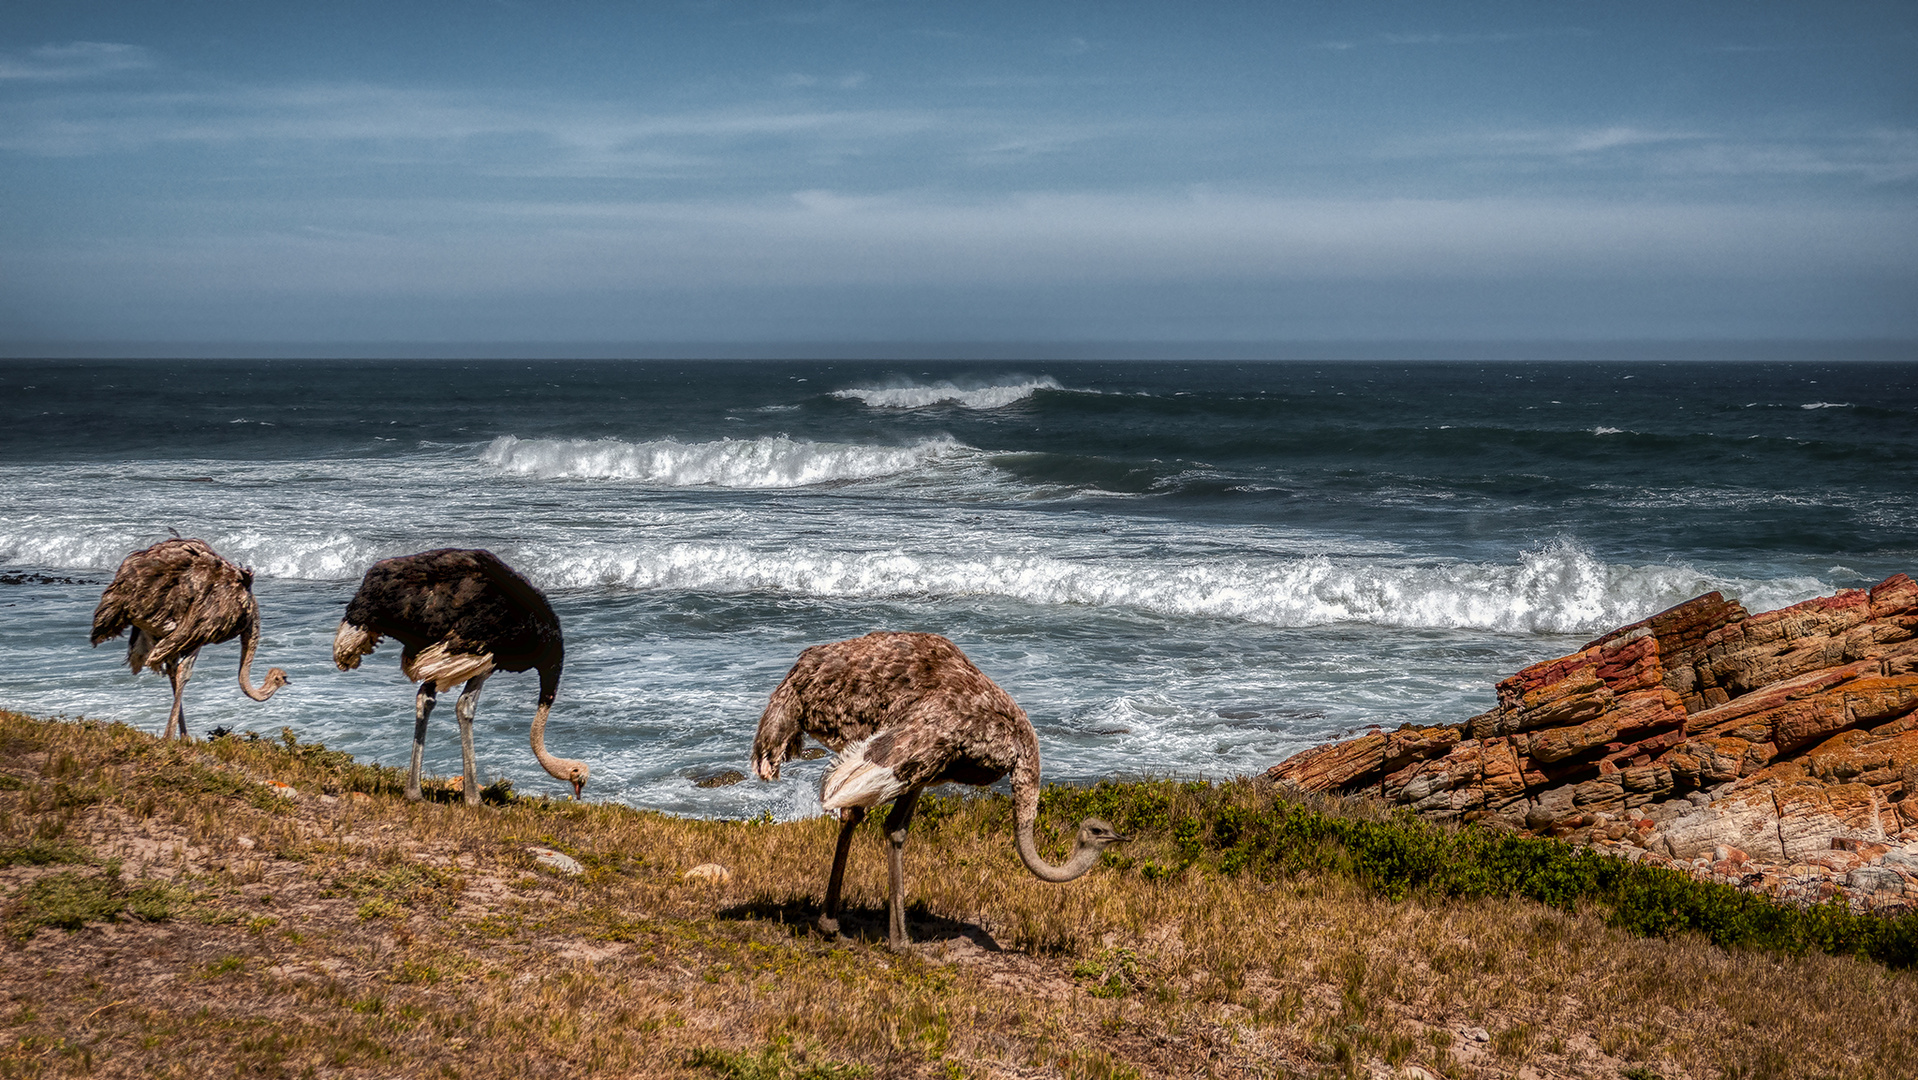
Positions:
(224, 930)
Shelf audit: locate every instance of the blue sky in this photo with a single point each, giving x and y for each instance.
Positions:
(297, 176)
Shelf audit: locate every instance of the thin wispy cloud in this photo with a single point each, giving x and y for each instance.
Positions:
(1495, 37)
(802, 81)
(839, 241)
(429, 122)
(1876, 156)
(73, 61)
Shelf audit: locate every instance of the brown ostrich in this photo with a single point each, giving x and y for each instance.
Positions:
(459, 616)
(177, 597)
(903, 711)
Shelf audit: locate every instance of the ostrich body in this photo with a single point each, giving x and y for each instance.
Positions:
(904, 711)
(177, 597)
(459, 616)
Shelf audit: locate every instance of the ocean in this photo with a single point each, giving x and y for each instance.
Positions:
(1178, 569)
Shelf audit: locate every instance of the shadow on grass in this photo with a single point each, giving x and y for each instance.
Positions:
(866, 925)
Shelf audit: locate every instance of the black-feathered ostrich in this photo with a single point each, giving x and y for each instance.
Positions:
(459, 616)
(903, 711)
(177, 597)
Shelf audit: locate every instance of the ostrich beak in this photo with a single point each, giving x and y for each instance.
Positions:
(579, 787)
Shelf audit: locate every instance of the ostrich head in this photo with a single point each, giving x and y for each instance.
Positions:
(275, 678)
(1097, 834)
(576, 775)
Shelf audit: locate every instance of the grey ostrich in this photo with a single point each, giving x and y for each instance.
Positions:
(903, 711)
(177, 597)
(459, 616)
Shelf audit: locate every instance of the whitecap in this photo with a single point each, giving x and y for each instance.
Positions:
(1561, 588)
(769, 462)
(945, 393)
(1827, 405)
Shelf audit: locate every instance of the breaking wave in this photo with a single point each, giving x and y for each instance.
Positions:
(1561, 589)
(945, 393)
(772, 462)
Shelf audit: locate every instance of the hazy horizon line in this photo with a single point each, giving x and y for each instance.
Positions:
(1376, 349)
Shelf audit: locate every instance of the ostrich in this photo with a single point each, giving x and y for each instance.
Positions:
(459, 616)
(903, 711)
(177, 597)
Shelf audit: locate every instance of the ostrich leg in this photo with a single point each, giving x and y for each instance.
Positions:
(175, 717)
(422, 708)
(829, 917)
(896, 822)
(468, 704)
(178, 671)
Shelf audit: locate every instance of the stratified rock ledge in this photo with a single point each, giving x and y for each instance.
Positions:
(1776, 751)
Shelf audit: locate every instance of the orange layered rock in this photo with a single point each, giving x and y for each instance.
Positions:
(1780, 733)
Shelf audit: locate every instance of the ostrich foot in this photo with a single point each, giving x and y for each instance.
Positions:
(828, 927)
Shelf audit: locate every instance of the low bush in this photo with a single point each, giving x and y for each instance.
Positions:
(1247, 827)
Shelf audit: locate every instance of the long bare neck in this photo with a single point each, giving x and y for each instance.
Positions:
(248, 645)
(567, 769)
(1025, 809)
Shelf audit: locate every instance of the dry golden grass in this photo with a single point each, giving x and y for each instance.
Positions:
(332, 936)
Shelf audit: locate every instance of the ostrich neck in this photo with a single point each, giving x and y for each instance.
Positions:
(559, 767)
(1025, 795)
(247, 647)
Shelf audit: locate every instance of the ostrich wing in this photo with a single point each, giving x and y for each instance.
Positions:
(182, 594)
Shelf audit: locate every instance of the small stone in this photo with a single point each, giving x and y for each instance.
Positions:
(557, 860)
(1902, 859)
(283, 789)
(358, 797)
(724, 778)
(245, 842)
(1876, 879)
(1477, 1034)
(710, 873)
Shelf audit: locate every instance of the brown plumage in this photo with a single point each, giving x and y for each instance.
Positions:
(459, 615)
(177, 597)
(903, 711)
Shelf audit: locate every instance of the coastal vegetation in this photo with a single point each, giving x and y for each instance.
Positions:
(259, 906)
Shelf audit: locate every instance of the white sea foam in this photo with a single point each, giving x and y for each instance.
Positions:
(291, 555)
(945, 393)
(1559, 589)
(772, 462)
(1827, 405)
(1602, 430)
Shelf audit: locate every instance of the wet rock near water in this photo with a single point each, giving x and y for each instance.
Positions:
(1776, 751)
(42, 579)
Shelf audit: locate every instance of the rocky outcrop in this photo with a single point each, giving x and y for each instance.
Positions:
(1788, 737)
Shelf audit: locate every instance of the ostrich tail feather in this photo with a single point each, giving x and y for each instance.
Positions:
(446, 668)
(855, 781)
(350, 642)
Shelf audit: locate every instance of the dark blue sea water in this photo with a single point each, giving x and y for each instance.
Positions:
(1178, 568)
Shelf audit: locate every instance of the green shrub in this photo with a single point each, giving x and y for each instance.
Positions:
(70, 900)
(1246, 827)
